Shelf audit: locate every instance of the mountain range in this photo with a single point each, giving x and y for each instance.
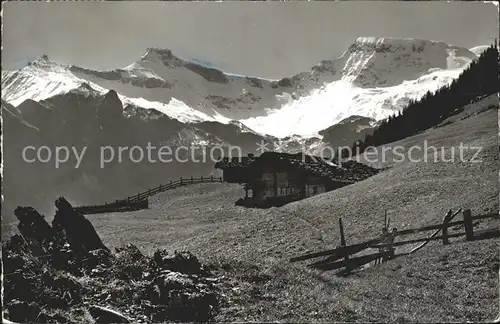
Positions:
(164, 99)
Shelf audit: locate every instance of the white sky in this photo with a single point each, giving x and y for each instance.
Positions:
(267, 39)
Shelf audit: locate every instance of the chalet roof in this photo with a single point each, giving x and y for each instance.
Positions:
(350, 171)
(235, 162)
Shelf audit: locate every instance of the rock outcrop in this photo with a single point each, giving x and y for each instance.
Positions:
(78, 230)
(65, 274)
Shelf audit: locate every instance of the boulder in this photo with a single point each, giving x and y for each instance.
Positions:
(107, 315)
(78, 230)
(32, 225)
(21, 311)
(130, 261)
(183, 262)
(183, 297)
(99, 257)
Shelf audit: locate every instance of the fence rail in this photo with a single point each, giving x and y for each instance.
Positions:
(140, 200)
(386, 244)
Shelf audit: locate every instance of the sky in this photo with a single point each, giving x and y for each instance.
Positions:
(265, 39)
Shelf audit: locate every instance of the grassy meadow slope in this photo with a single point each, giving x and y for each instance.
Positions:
(454, 283)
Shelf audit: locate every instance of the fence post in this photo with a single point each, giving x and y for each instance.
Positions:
(159, 188)
(342, 237)
(128, 200)
(445, 229)
(201, 178)
(469, 230)
(390, 244)
(212, 177)
(220, 179)
(149, 192)
(385, 219)
(191, 179)
(171, 182)
(181, 180)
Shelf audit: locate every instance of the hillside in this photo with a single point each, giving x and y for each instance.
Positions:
(254, 245)
(478, 80)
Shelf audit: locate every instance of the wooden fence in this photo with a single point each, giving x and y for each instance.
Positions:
(343, 256)
(140, 201)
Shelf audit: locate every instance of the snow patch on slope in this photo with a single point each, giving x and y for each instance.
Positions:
(340, 99)
(136, 70)
(174, 109)
(478, 50)
(378, 76)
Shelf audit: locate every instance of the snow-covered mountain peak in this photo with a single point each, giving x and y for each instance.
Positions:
(44, 64)
(393, 44)
(43, 79)
(385, 61)
(161, 55)
(42, 60)
(40, 79)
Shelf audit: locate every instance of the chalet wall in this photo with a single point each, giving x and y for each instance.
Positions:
(334, 185)
(279, 184)
(287, 191)
(312, 180)
(314, 189)
(235, 175)
(268, 179)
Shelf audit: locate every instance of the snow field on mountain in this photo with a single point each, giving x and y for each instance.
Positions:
(340, 99)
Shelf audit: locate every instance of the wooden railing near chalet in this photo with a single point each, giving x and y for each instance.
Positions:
(386, 242)
(140, 201)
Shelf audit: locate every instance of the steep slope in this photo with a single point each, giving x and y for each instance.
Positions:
(374, 78)
(478, 80)
(478, 50)
(373, 61)
(348, 131)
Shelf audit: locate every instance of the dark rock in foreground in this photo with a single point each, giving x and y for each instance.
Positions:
(65, 274)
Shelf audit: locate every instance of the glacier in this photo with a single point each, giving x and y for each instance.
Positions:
(340, 99)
